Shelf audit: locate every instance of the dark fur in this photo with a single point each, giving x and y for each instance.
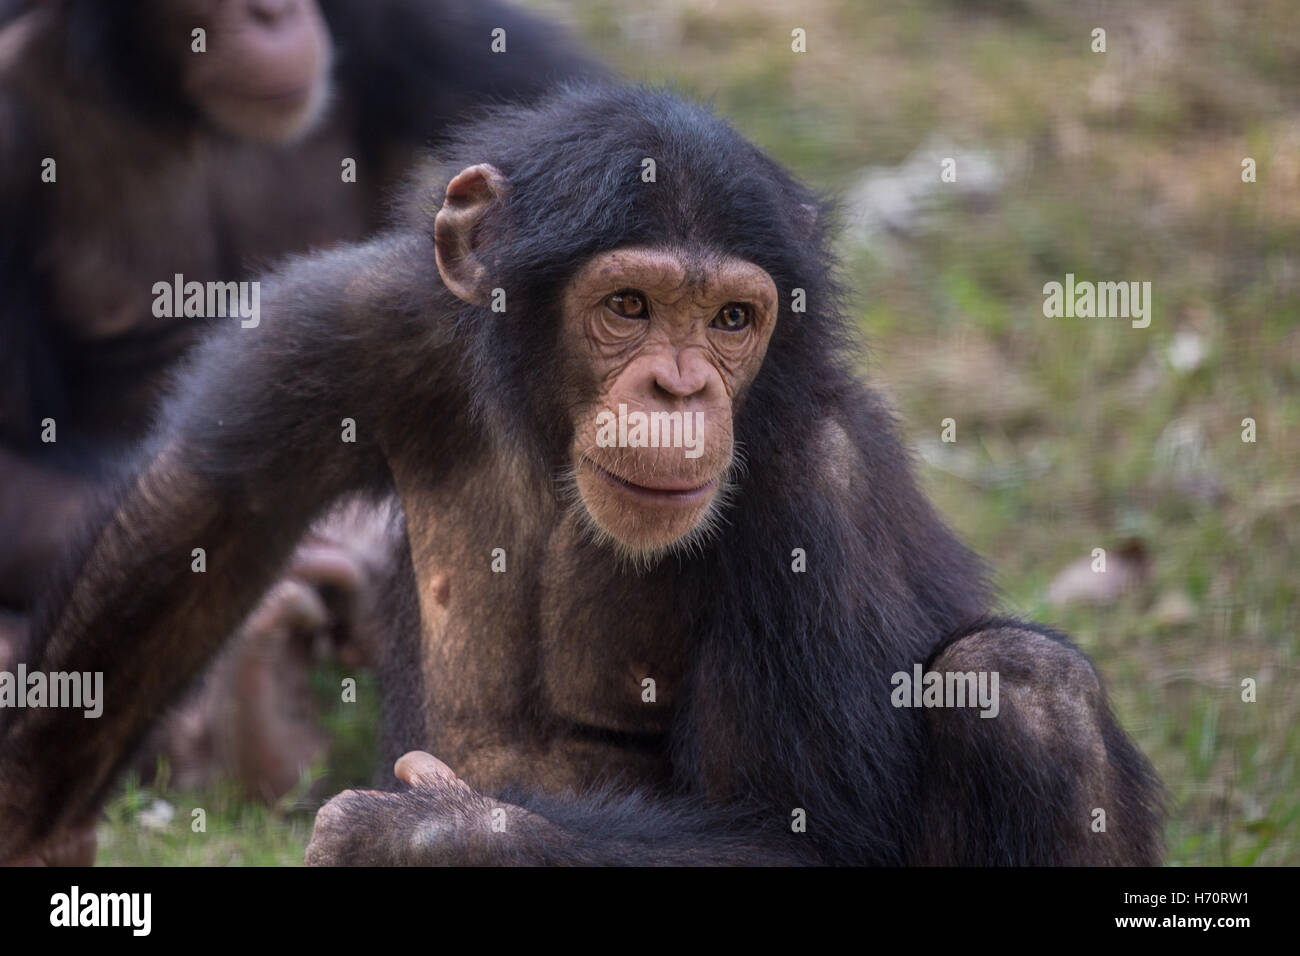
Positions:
(783, 689)
(414, 67)
(98, 89)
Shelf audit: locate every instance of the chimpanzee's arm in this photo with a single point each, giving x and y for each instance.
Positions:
(442, 821)
(253, 447)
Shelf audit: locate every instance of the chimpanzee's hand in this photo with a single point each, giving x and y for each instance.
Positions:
(441, 820)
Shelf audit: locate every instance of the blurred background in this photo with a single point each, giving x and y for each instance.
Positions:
(1072, 434)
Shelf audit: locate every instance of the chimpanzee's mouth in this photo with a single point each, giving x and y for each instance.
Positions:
(665, 489)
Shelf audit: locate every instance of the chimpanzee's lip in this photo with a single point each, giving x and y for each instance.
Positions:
(664, 489)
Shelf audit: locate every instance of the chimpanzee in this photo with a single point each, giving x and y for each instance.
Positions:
(145, 139)
(667, 569)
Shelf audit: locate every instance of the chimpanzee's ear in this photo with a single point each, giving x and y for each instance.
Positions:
(470, 194)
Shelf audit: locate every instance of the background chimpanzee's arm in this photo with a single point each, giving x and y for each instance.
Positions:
(36, 499)
(420, 66)
(39, 501)
(252, 450)
(39, 509)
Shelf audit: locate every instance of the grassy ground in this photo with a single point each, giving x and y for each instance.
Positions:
(1072, 433)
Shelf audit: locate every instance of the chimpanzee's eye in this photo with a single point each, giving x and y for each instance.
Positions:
(732, 317)
(629, 303)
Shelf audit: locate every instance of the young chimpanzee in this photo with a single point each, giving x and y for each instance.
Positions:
(666, 559)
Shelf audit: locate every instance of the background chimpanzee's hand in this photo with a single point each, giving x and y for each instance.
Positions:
(254, 720)
(13, 632)
(74, 847)
(441, 820)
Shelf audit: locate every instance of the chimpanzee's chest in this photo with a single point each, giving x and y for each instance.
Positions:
(140, 238)
(610, 654)
(118, 224)
(542, 664)
(130, 216)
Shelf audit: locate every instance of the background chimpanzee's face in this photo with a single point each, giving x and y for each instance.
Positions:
(669, 338)
(264, 75)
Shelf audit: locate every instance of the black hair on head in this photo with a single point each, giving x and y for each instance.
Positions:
(574, 163)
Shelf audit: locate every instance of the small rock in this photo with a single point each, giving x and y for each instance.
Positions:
(157, 815)
(1078, 583)
(1186, 353)
(1174, 608)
